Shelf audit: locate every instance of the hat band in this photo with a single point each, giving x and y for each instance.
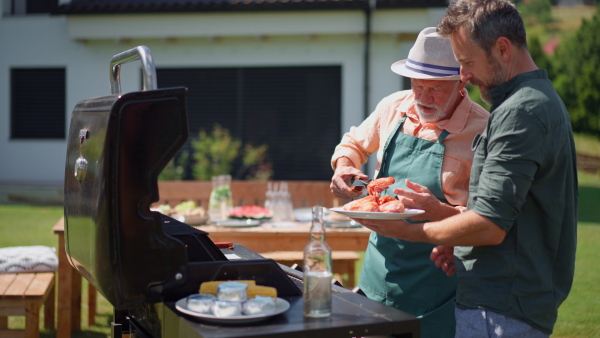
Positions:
(429, 69)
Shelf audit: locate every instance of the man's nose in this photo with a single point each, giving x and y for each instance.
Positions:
(465, 75)
(427, 96)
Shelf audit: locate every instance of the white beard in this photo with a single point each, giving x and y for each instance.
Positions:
(440, 112)
(438, 115)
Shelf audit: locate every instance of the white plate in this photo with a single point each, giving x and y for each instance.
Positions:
(238, 223)
(191, 220)
(379, 215)
(281, 305)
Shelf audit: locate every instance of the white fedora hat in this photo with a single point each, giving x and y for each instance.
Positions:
(430, 58)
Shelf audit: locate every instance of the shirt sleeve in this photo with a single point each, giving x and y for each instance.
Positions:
(514, 150)
(364, 140)
(359, 142)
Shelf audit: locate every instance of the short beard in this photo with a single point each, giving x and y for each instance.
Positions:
(497, 79)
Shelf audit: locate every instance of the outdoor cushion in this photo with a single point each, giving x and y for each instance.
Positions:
(36, 258)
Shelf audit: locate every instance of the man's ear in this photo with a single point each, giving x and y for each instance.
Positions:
(503, 48)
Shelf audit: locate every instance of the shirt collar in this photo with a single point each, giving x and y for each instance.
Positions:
(501, 92)
(455, 124)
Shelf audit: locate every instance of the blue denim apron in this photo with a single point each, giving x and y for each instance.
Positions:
(397, 272)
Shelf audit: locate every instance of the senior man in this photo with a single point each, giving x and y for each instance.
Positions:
(423, 139)
(515, 246)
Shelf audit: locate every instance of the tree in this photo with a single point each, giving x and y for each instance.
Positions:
(538, 10)
(538, 55)
(219, 153)
(577, 63)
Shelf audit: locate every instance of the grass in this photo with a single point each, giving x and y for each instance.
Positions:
(569, 18)
(566, 22)
(587, 145)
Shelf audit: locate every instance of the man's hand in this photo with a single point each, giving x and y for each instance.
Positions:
(419, 197)
(342, 179)
(443, 256)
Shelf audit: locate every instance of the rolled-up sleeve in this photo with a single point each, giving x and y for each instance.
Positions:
(359, 142)
(369, 137)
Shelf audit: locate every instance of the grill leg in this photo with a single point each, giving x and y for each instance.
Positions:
(119, 327)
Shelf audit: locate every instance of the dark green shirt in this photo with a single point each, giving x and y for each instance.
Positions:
(524, 179)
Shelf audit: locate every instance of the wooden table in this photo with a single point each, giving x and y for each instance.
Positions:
(69, 291)
(266, 238)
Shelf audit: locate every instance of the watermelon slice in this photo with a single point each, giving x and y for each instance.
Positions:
(249, 211)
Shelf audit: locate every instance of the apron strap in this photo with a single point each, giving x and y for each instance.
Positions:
(387, 142)
(443, 136)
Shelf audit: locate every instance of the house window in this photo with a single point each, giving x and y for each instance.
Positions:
(19, 7)
(37, 103)
(296, 111)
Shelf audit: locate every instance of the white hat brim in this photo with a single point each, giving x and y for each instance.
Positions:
(399, 67)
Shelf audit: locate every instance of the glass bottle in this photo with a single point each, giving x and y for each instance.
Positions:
(269, 198)
(287, 203)
(214, 202)
(226, 198)
(317, 270)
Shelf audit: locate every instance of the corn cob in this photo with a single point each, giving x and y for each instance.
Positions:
(253, 289)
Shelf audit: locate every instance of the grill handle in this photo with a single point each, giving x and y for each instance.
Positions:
(148, 70)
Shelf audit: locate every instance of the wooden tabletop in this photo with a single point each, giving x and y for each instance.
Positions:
(266, 237)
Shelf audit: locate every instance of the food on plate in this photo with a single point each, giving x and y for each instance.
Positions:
(260, 290)
(374, 203)
(375, 187)
(259, 305)
(392, 206)
(232, 291)
(188, 208)
(252, 290)
(385, 199)
(201, 302)
(368, 203)
(211, 287)
(163, 209)
(249, 211)
(233, 298)
(227, 308)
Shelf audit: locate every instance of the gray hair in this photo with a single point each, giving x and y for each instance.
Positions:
(484, 21)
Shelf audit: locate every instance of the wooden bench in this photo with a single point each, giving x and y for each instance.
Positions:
(23, 294)
(343, 263)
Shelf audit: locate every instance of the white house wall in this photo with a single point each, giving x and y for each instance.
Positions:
(84, 45)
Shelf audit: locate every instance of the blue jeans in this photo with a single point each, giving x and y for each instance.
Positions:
(478, 323)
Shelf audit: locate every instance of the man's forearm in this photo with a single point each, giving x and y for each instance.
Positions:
(343, 162)
(465, 229)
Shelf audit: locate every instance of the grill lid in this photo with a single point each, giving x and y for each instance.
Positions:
(117, 147)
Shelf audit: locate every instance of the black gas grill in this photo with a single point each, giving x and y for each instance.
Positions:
(142, 261)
